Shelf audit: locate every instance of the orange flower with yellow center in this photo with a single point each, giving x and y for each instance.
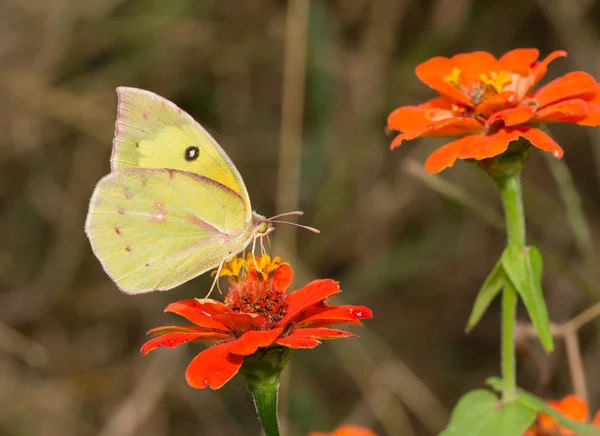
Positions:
(488, 103)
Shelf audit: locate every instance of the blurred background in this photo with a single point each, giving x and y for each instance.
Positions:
(298, 95)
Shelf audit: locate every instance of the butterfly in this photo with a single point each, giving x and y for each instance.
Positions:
(174, 205)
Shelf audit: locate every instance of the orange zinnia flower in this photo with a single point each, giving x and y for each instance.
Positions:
(488, 103)
(257, 314)
(346, 430)
(570, 406)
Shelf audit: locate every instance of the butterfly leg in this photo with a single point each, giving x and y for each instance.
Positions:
(216, 281)
(254, 255)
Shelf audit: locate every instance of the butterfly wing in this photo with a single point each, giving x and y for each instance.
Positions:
(152, 132)
(153, 229)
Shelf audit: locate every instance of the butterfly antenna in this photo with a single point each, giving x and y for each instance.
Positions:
(296, 212)
(312, 229)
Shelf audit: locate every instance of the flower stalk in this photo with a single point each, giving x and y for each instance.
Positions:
(262, 372)
(510, 190)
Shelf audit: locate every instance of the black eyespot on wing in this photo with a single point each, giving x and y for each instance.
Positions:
(192, 153)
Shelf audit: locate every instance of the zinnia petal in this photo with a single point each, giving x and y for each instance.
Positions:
(433, 72)
(213, 367)
(176, 329)
(172, 340)
(473, 65)
(513, 116)
(405, 137)
(566, 111)
(445, 156)
(498, 102)
(334, 315)
(539, 69)
(409, 118)
(571, 85)
(297, 342)
(282, 277)
(570, 406)
(319, 333)
(194, 312)
(346, 430)
(592, 117)
(487, 146)
(541, 141)
(519, 60)
(240, 322)
(251, 341)
(314, 292)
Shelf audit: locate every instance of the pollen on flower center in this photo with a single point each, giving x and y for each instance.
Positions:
(496, 80)
(260, 297)
(254, 288)
(454, 77)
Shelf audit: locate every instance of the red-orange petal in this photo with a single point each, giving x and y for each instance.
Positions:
(513, 116)
(320, 333)
(433, 72)
(596, 420)
(172, 340)
(566, 111)
(542, 141)
(251, 341)
(473, 65)
(346, 430)
(297, 342)
(519, 60)
(312, 293)
(408, 119)
(571, 85)
(445, 156)
(539, 69)
(176, 329)
(213, 367)
(441, 103)
(240, 322)
(194, 312)
(592, 117)
(484, 147)
(282, 277)
(498, 102)
(334, 315)
(570, 406)
(404, 137)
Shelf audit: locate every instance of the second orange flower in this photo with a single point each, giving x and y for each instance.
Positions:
(487, 103)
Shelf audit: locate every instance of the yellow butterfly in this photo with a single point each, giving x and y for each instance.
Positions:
(174, 205)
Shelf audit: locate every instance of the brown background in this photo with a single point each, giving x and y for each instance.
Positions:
(413, 251)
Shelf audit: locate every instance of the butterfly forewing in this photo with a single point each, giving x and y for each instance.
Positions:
(152, 132)
(153, 229)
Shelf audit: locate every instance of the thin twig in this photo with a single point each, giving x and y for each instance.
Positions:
(292, 113)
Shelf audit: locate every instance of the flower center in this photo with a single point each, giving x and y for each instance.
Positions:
(254, 287)
(261, 297)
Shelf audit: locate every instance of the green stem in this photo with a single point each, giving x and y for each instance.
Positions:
(510, 189)
(262, 371)
(265, 402)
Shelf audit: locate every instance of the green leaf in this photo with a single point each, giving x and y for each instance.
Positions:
(480, 413)
(539, 405)
(523, 266)
(491, 287)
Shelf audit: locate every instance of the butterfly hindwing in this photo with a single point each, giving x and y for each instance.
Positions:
(153, 229)
(152, 132)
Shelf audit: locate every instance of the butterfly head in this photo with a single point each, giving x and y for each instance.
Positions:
(262, 226)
